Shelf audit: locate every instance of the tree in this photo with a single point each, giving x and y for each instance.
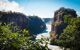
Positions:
(34, 24)
(70, 38)
(19, 40)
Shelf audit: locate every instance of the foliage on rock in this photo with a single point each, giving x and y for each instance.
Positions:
(70, 38)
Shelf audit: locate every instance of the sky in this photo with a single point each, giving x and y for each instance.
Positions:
(41, 8)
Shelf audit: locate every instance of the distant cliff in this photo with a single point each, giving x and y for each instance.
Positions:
(58, 23)
(47, 20)
(33, 23)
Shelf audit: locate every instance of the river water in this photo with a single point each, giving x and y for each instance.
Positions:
(47, 35)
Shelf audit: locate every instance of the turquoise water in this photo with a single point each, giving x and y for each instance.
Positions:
(46, 33)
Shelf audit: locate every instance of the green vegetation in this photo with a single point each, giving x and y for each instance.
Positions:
(70, 38)
(23, 21)
(18, 40)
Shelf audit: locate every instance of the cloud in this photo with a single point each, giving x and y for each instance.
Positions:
(6, 5)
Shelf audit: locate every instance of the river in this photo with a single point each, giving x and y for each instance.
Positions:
(47, 35)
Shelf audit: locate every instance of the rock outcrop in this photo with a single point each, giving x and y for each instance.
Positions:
(33, 23)
(58, 23)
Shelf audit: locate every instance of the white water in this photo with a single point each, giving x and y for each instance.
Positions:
(47, 35)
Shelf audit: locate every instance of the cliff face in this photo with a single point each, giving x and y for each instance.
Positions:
(58, 23)
(59, 14)
(33, 23)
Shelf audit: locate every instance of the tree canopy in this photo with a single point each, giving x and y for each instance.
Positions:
(19, 40)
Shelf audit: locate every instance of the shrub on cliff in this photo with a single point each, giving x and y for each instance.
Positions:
(60, 21)
(70, 38)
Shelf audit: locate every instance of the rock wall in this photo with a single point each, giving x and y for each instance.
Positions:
(58, 24)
